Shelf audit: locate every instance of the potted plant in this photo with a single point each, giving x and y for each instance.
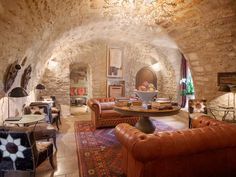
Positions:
(188, 89)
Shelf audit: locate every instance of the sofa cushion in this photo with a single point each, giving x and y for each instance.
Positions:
(109, 114)
(54, 110)
(107, 105)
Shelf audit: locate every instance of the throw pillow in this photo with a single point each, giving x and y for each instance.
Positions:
(107, 105)
(37, 110)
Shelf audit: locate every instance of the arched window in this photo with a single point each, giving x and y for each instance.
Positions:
(186, 83)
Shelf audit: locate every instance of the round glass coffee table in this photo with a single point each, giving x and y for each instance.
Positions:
(26, 120)
(145, 124)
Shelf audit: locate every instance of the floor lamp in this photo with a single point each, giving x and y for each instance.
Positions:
(225, 88)
(233, 90)
(16, 92)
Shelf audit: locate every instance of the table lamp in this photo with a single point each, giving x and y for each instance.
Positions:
(16, 92)
(40, 87)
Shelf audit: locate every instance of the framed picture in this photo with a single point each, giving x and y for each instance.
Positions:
(115, 88)
(114, 62)
(228, 78)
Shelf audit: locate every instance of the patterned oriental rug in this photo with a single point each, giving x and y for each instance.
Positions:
(99, 152)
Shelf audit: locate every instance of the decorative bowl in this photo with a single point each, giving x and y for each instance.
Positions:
(146, 96)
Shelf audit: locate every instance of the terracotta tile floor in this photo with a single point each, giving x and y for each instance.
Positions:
(66, 157)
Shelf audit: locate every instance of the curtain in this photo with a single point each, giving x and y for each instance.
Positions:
(183, 85)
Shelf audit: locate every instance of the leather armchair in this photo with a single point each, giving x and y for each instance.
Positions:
(207, 150)
(103, 115)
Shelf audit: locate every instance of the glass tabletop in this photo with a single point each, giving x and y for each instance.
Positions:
(26, 119)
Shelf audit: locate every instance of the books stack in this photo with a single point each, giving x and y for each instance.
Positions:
(124, 101)
(121, 103)
(137, 103)
(162, 103)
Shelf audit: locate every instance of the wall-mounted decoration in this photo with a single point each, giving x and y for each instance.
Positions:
(26, 77)
(78, 91)
(10, 75)
(115, 62)
(115, 88)
(226, 78)
(24, 61)
(78, 75)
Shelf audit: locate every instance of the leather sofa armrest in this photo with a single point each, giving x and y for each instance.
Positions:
(94, 106)
(205, 120)
(128, 135)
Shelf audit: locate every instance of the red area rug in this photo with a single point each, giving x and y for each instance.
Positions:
(99, 152)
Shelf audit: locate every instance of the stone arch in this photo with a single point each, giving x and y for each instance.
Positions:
(203, 29)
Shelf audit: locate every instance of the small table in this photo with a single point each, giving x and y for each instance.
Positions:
(145, 124)
(225, 111)
(26, 120)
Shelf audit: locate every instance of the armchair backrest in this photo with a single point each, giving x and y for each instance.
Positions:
(46, 107)
(108, 99)
(197, 105)
(17, 149)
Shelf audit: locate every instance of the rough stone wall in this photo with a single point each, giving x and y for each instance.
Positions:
(167, 77)
(94, 54)
(206, 35)
(204, 31)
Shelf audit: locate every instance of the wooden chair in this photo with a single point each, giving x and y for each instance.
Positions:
(19, 151)
(44, 129)
(56, 109)
(50, 116)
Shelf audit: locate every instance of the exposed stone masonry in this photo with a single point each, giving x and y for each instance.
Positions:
(95, 54)
(203, 30)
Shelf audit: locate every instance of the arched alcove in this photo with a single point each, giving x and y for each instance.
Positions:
(145, 74)
(80, 86)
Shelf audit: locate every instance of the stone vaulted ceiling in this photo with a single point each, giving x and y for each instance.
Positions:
(203, 30)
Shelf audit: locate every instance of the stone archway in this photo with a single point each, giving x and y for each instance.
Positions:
(204, 31)
(79, 84)
(80, 87)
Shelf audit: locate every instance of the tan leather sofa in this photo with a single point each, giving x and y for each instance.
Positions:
(103, 114)
(207, 150)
